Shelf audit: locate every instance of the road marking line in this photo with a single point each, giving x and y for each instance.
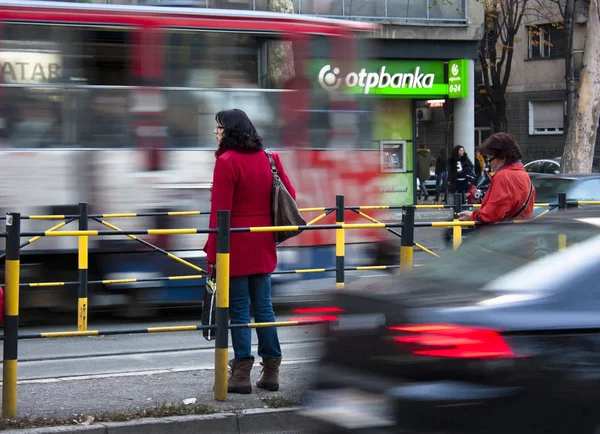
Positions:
(206, 367)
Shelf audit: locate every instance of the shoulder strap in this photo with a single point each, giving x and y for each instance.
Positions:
(518, 213)
(271, 161)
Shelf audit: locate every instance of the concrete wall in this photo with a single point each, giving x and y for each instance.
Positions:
(529, 75)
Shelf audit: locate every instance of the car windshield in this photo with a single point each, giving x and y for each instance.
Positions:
(502, 250)
(547, 188)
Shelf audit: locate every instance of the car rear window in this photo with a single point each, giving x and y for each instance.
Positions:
(460, 275)
(547, 189)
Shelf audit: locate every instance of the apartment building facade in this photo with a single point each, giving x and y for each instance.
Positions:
(536, 95)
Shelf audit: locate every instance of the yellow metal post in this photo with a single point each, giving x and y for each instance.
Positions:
(408, 239)
(11, 316)
(340, 243)
(82, 302)
(457, 230)
(456, 236)
(222, 311)
(562, 241)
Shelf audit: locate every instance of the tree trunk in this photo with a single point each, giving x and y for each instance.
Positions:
(499, 119)
(279, 53)
(581, 134)
(570, 61)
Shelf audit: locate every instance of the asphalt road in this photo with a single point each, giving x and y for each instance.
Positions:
(46, 359)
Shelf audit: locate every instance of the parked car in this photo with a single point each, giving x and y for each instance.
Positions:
(502, 336)
(576, 187)
(552, 165)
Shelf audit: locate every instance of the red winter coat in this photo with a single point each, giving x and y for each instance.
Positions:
(507, 193)
(242, 184)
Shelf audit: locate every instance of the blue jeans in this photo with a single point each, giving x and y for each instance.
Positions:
(255, 290)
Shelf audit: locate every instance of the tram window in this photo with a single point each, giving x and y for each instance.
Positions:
(42, 54)
(212, 59)
(337, 120)
(55, 116)
(105, 56)
(215, 71)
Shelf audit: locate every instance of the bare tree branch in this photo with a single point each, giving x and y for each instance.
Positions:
(503, 19)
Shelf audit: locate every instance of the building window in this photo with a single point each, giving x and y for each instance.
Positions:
(546, 117)
(547, 41)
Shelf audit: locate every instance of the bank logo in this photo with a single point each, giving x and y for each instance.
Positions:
(455, 70)
(330, 80)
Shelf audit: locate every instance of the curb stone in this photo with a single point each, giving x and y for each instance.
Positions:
(251, 421)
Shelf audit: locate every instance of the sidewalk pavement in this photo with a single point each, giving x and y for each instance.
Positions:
(75, 398)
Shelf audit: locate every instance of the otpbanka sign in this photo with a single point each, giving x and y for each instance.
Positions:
(330, 79)
(408, 79)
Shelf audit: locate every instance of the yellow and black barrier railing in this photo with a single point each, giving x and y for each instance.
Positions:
(140, 214)
(152, 246)
(340, 240)
(112, 281)
(82, 261)
(223, 231)
(11, 316)
(197, 277)
(568, 203)
(166, 329)
(34, 239)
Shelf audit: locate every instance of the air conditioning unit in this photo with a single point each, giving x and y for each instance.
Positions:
(423, 114)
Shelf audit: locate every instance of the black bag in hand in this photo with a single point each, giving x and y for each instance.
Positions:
(284, 209)
(209, 306)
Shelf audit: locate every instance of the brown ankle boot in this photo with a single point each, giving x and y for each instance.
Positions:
(270, 374)
(239, 380)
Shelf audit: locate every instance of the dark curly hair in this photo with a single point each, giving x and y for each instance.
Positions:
(239, 133)
(455, 156)
(502, 145)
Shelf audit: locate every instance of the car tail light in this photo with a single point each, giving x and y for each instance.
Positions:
(317, 313)
(453, 341)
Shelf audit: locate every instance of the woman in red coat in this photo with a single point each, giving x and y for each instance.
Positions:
(242, 182)
(511, 194)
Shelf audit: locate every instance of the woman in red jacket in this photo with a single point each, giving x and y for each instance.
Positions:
(511, 194)
(242, 182)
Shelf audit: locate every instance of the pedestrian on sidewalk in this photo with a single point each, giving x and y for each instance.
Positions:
(423, 167)
(511, 194)
(440, 174)
(242, 182)
(460, 171)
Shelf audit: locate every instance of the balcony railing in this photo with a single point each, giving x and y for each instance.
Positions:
(387, 11)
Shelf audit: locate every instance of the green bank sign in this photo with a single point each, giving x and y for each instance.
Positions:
(405, 79)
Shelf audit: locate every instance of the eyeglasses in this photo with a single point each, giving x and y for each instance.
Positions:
(489, 160)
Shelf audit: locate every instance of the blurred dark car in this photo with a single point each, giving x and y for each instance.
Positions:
(576, 187)
(502, 336)
(584, 187)
(552, 165)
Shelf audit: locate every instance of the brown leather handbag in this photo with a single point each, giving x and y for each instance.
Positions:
(284, 209)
